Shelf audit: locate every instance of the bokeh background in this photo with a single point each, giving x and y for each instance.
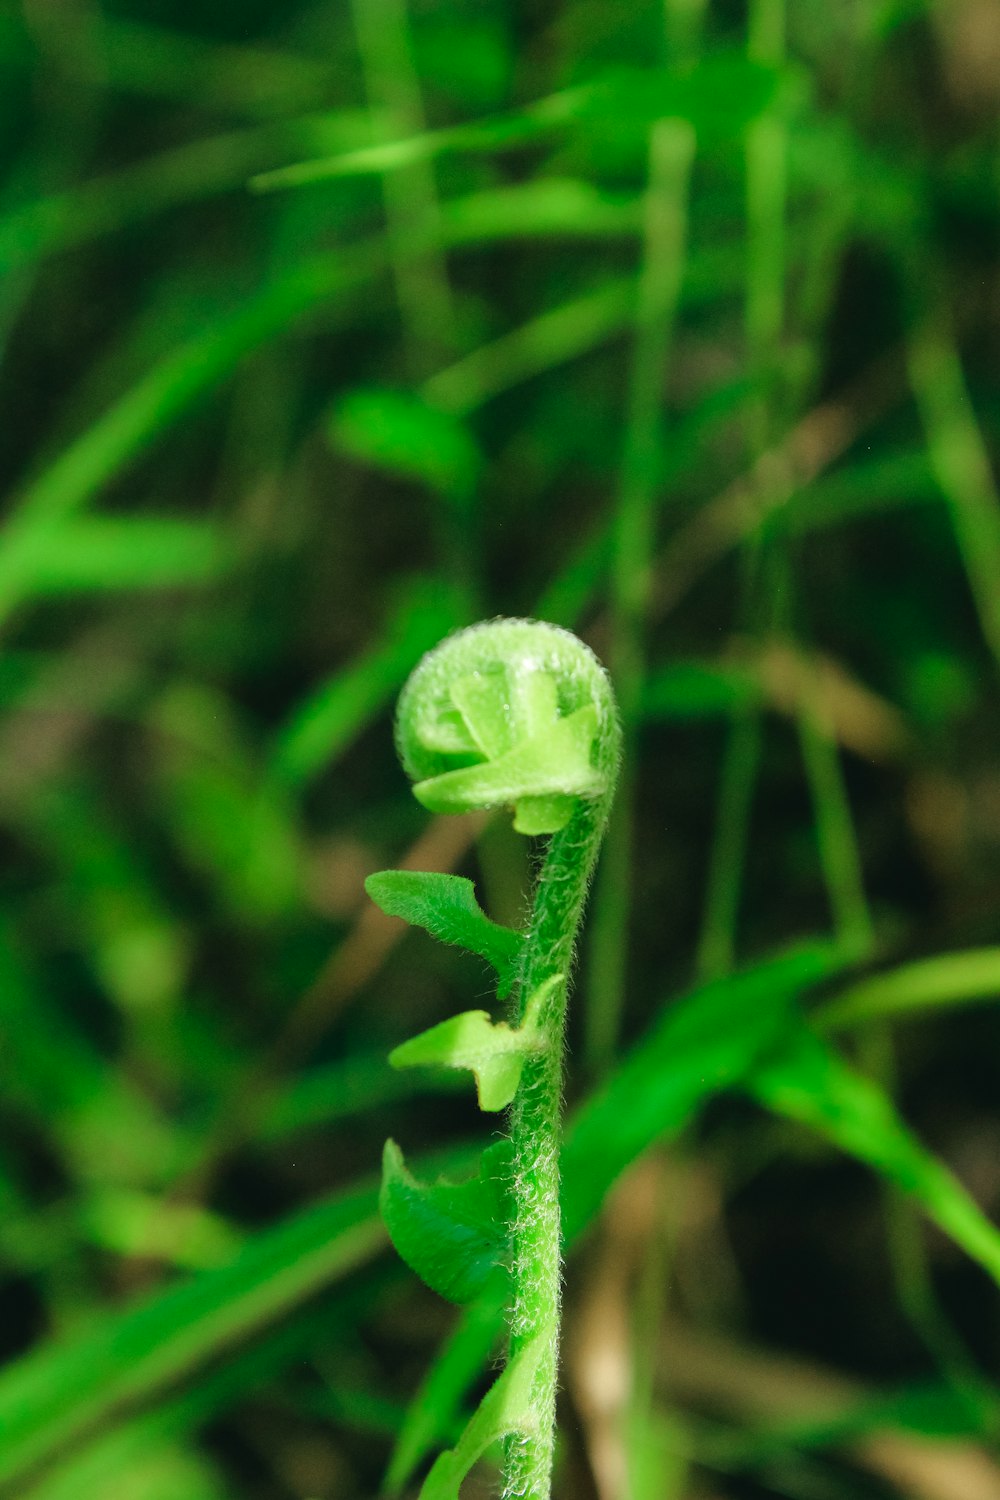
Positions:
(331, 325)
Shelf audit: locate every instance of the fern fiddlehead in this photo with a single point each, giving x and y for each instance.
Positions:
(518, 713)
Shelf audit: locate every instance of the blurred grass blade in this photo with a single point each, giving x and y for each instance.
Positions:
(547, 205)
(49, 1067)
(929, 984)
(499, 133)
(232, 826)
(433, 1415)
(151, 406)
(322, 726)
(553, 338)
(961, 464)
(127, 428)
(51, 1398)
(361, 1083)
(258, 81)
(864, 489)
(703, 1043)
(103, 553)
(162, 1470)
(671, 154)
(124, 1454)
(719, 96)
(114, 908)
(171, 386)
(184, 174)
(384, 34)
(405, 436)
(807, 1081)
(700, 690)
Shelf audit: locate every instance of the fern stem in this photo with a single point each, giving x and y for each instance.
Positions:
(535, 1136)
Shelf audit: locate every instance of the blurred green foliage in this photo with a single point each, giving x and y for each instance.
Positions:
(327, 328)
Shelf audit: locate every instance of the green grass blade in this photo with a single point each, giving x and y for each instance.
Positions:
(961, 463)
(718, 97)
(114, 1456)
(127, 428)
(59, 1394)
(554, 337)
(564, 206)
(102, 553)
(324, 724)
(806, 1081)
(702, 1044)
(334, 1092)
(929, 984)
(256, 80)
(185, 174)
(433, 1415)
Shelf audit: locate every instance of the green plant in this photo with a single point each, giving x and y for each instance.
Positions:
(515, 713)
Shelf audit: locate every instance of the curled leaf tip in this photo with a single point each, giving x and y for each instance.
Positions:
(509, 713)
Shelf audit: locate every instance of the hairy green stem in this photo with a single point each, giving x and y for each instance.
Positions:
(535, 1135)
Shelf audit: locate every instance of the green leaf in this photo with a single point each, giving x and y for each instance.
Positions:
(505, 1408)
(446, 906)
(453, 1234)
(400, 434)
(807, 1081)
(493, 1051)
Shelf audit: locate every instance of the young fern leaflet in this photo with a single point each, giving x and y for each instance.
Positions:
(508, 713)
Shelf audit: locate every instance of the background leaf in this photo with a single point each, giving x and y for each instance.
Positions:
(406, 437)
(806, 1081)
